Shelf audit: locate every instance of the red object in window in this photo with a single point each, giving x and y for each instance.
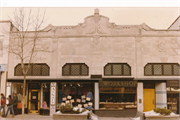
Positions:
(19, 105)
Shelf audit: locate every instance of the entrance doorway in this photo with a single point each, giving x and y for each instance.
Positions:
(149, 96)
(34, 101)
(149, 99)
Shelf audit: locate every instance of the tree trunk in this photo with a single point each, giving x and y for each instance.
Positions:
(24, 88)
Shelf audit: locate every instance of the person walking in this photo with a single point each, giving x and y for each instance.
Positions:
(15, 102)
(3, 103)
(10, 106)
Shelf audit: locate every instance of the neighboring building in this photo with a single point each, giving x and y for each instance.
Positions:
(175, 25)
(5, 28)
(127, 68)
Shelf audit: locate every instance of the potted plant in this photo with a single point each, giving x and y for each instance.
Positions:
(161, 114)
(68, 112)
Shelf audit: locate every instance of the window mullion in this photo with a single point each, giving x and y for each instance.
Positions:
(112, 69)
(162, 67)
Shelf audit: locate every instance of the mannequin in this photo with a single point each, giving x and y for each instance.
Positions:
(90, 95)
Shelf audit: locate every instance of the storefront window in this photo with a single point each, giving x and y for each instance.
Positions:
(173, 94)
(18, 88)
(76, 93)
(173, 98)
(46, 95)
(118, 98)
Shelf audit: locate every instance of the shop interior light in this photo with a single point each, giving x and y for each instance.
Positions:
(64, 85)
(70, 84)
(44, 85)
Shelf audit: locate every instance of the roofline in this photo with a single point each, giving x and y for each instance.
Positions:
(174, 21)
(6, 21)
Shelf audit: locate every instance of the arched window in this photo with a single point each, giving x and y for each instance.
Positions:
(117, 69)
(162, 69)
(35, 69)
(75, 69)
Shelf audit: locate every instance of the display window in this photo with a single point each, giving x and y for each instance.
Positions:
(118, 98)
(173, 94)
(18, 88)
(46, 95)
(79, 94)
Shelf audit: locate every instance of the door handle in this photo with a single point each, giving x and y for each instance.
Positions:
(153, 101)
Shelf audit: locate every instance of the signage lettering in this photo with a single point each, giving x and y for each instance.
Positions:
(118, 83)
(172, 83)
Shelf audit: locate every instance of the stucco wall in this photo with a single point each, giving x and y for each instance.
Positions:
(97, 42)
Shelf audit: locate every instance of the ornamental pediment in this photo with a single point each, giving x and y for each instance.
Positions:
(95, 25)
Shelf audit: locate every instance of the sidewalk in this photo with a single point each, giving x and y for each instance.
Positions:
(41, 117)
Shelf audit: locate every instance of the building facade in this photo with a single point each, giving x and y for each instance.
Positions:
(116, 69)
(175, 25)
(5, 28)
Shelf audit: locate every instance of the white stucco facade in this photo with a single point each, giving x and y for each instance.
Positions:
(5, 28)
(175, 25)
(97, 42)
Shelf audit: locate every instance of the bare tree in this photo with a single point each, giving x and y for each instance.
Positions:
(24, 41)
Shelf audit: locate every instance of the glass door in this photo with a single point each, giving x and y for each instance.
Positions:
(34, 101)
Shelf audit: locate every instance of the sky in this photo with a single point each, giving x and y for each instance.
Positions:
(158, 14)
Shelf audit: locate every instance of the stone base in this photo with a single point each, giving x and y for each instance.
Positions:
(162, 117)
(57, 116)
(116, 113)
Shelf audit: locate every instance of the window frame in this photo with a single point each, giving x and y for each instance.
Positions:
(70, 70)
(162, 69)
(122, 69)
(31, 69)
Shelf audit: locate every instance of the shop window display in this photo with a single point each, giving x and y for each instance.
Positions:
(173, 98)
(46, 96)
(118, 98)
(78, 94)
(18, 87)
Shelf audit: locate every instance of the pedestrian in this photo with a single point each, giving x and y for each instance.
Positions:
(10, 106)
(15, 102)
(3, 103)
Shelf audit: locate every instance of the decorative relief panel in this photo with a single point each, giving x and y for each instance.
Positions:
(175, 45)
(95, 24)
(161, 46)
(96, 39)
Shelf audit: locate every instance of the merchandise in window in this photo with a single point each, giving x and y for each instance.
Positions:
(173, 94)
(18, 87)
(46, 96)
(78, 94)
(118, 98)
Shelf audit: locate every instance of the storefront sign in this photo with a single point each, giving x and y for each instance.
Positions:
(85, 105)
(63, 104)
(1, 67)
(67, 101)
(72, 100)
(79, 105)
(78, 100)
(83, 101)
(64, 99)
(52, 95)
(69, 97)
(88, 99)
(90, 103)
(118, 83)
(33, 97)
(83, 97)
(173, 83)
